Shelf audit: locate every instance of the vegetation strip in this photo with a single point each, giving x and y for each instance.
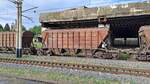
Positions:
(114, 70)
(57, 77)
(28, 79)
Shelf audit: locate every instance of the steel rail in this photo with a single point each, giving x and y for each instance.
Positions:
(97, 68)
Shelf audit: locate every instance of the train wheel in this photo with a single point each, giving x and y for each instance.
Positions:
(98, 54)
(14, 51)
(80, 53)
(33, 51)
(72, 52)
(26, 51)
(39, 52)
(51, 53)
(107, 55)
(89, 53)
(64, 52)
(57, 51)
(142, 58)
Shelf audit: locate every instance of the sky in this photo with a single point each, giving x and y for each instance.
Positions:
(8, 9)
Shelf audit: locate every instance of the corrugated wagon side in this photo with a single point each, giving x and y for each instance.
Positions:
(74, 41)
(8, 40)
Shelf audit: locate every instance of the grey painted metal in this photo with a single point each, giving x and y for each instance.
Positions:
(84, 13)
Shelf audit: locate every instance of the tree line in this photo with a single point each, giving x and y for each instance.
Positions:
(36, 29)
(9, 28)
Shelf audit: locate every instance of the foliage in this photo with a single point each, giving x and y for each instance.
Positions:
(123, 56)
(1, 28)
(23, 28)
(53, 76)
(14, 26)
(36, 30)
(37, 44)
(7, 27)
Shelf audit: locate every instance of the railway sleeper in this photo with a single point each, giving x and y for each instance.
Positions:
(84, 67)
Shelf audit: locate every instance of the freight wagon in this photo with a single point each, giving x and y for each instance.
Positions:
(8, 41)
(144, 39)
(77, 42)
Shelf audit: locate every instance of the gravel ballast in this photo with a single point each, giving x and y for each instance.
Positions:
(98, 75)
(91, 61)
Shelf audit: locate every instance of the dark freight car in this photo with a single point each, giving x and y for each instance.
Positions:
(27, 39)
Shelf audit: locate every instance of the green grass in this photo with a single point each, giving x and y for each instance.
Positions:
(123, 56)
(33, 73)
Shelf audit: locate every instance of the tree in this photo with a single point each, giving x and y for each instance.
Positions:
(36, 30)
(1, 28)
(23, 28)
(14, 26)
(7, 27)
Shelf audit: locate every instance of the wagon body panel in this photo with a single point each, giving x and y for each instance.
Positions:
(8, 39)
(87, 38)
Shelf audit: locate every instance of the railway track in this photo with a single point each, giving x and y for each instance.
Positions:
(106, 69)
